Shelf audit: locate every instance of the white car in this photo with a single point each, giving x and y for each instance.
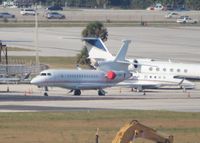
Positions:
(186, 19)
(27, 11)
(171, 15)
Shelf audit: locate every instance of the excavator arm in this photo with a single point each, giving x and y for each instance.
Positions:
(134, 129)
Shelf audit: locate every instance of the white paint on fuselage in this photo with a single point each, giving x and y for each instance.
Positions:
(76, 79)
(170, 68)
(149, 80)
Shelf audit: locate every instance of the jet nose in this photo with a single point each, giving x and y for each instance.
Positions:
(35, 81)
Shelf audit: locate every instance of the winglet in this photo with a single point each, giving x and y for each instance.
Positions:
(122, 52)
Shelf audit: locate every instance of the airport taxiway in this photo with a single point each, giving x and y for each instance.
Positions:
(37, 103)
(175, 43)
(30, 99)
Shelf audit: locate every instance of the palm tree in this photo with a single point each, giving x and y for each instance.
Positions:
(95, 29)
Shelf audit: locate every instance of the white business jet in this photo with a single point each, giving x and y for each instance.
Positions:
(78, 80)
(146, 73)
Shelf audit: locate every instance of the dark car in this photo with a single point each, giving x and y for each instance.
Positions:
(55, 15)
(6, 15)
(55, 7)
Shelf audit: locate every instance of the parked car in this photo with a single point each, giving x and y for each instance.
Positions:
(55, 7)
(186, 19)
(55, 15)
(6, 15)
(27, 11)
(171, 15)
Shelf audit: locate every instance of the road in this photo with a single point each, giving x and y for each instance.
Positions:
(102, 15)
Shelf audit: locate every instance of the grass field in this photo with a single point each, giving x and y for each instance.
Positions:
(53, 62)
(80, 126)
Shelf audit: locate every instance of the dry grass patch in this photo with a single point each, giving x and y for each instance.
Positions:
(75, 127)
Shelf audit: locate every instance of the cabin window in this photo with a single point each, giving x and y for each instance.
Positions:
(150, 68)
(171, 70)
(150, 76)
(178, 70)
(155, 77)
(157, 69)
(185, 70)
(164, 69)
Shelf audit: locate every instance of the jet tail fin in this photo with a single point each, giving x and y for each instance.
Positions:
(97, 49)
(122, 52)
(119, 63)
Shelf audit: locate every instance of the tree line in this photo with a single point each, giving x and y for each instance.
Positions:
(126, 4)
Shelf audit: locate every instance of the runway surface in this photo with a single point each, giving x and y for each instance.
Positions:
(59, 100)
(175, 43)
(90, 103)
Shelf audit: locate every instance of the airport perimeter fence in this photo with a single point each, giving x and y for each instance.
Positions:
(21, 69)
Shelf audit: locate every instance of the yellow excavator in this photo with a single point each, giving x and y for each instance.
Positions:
(134, 129)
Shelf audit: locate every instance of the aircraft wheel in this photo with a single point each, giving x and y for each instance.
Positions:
(77, 92)
(46, 94)
(101, 92)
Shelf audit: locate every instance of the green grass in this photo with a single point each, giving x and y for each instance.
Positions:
(53, 62)
(18, 49)
(107, 23)
(80, 126)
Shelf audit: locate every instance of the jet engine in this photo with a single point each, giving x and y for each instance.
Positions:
(117, 75)
(134, 64)
(111, 75)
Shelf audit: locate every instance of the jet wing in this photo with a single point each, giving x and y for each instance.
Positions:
(136, 84)
(191, 78)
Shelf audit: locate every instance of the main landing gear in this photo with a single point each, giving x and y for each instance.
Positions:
(77, 92)
(101, 92)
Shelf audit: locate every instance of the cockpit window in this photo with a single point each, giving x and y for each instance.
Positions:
(43, 74)
(49, 74)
